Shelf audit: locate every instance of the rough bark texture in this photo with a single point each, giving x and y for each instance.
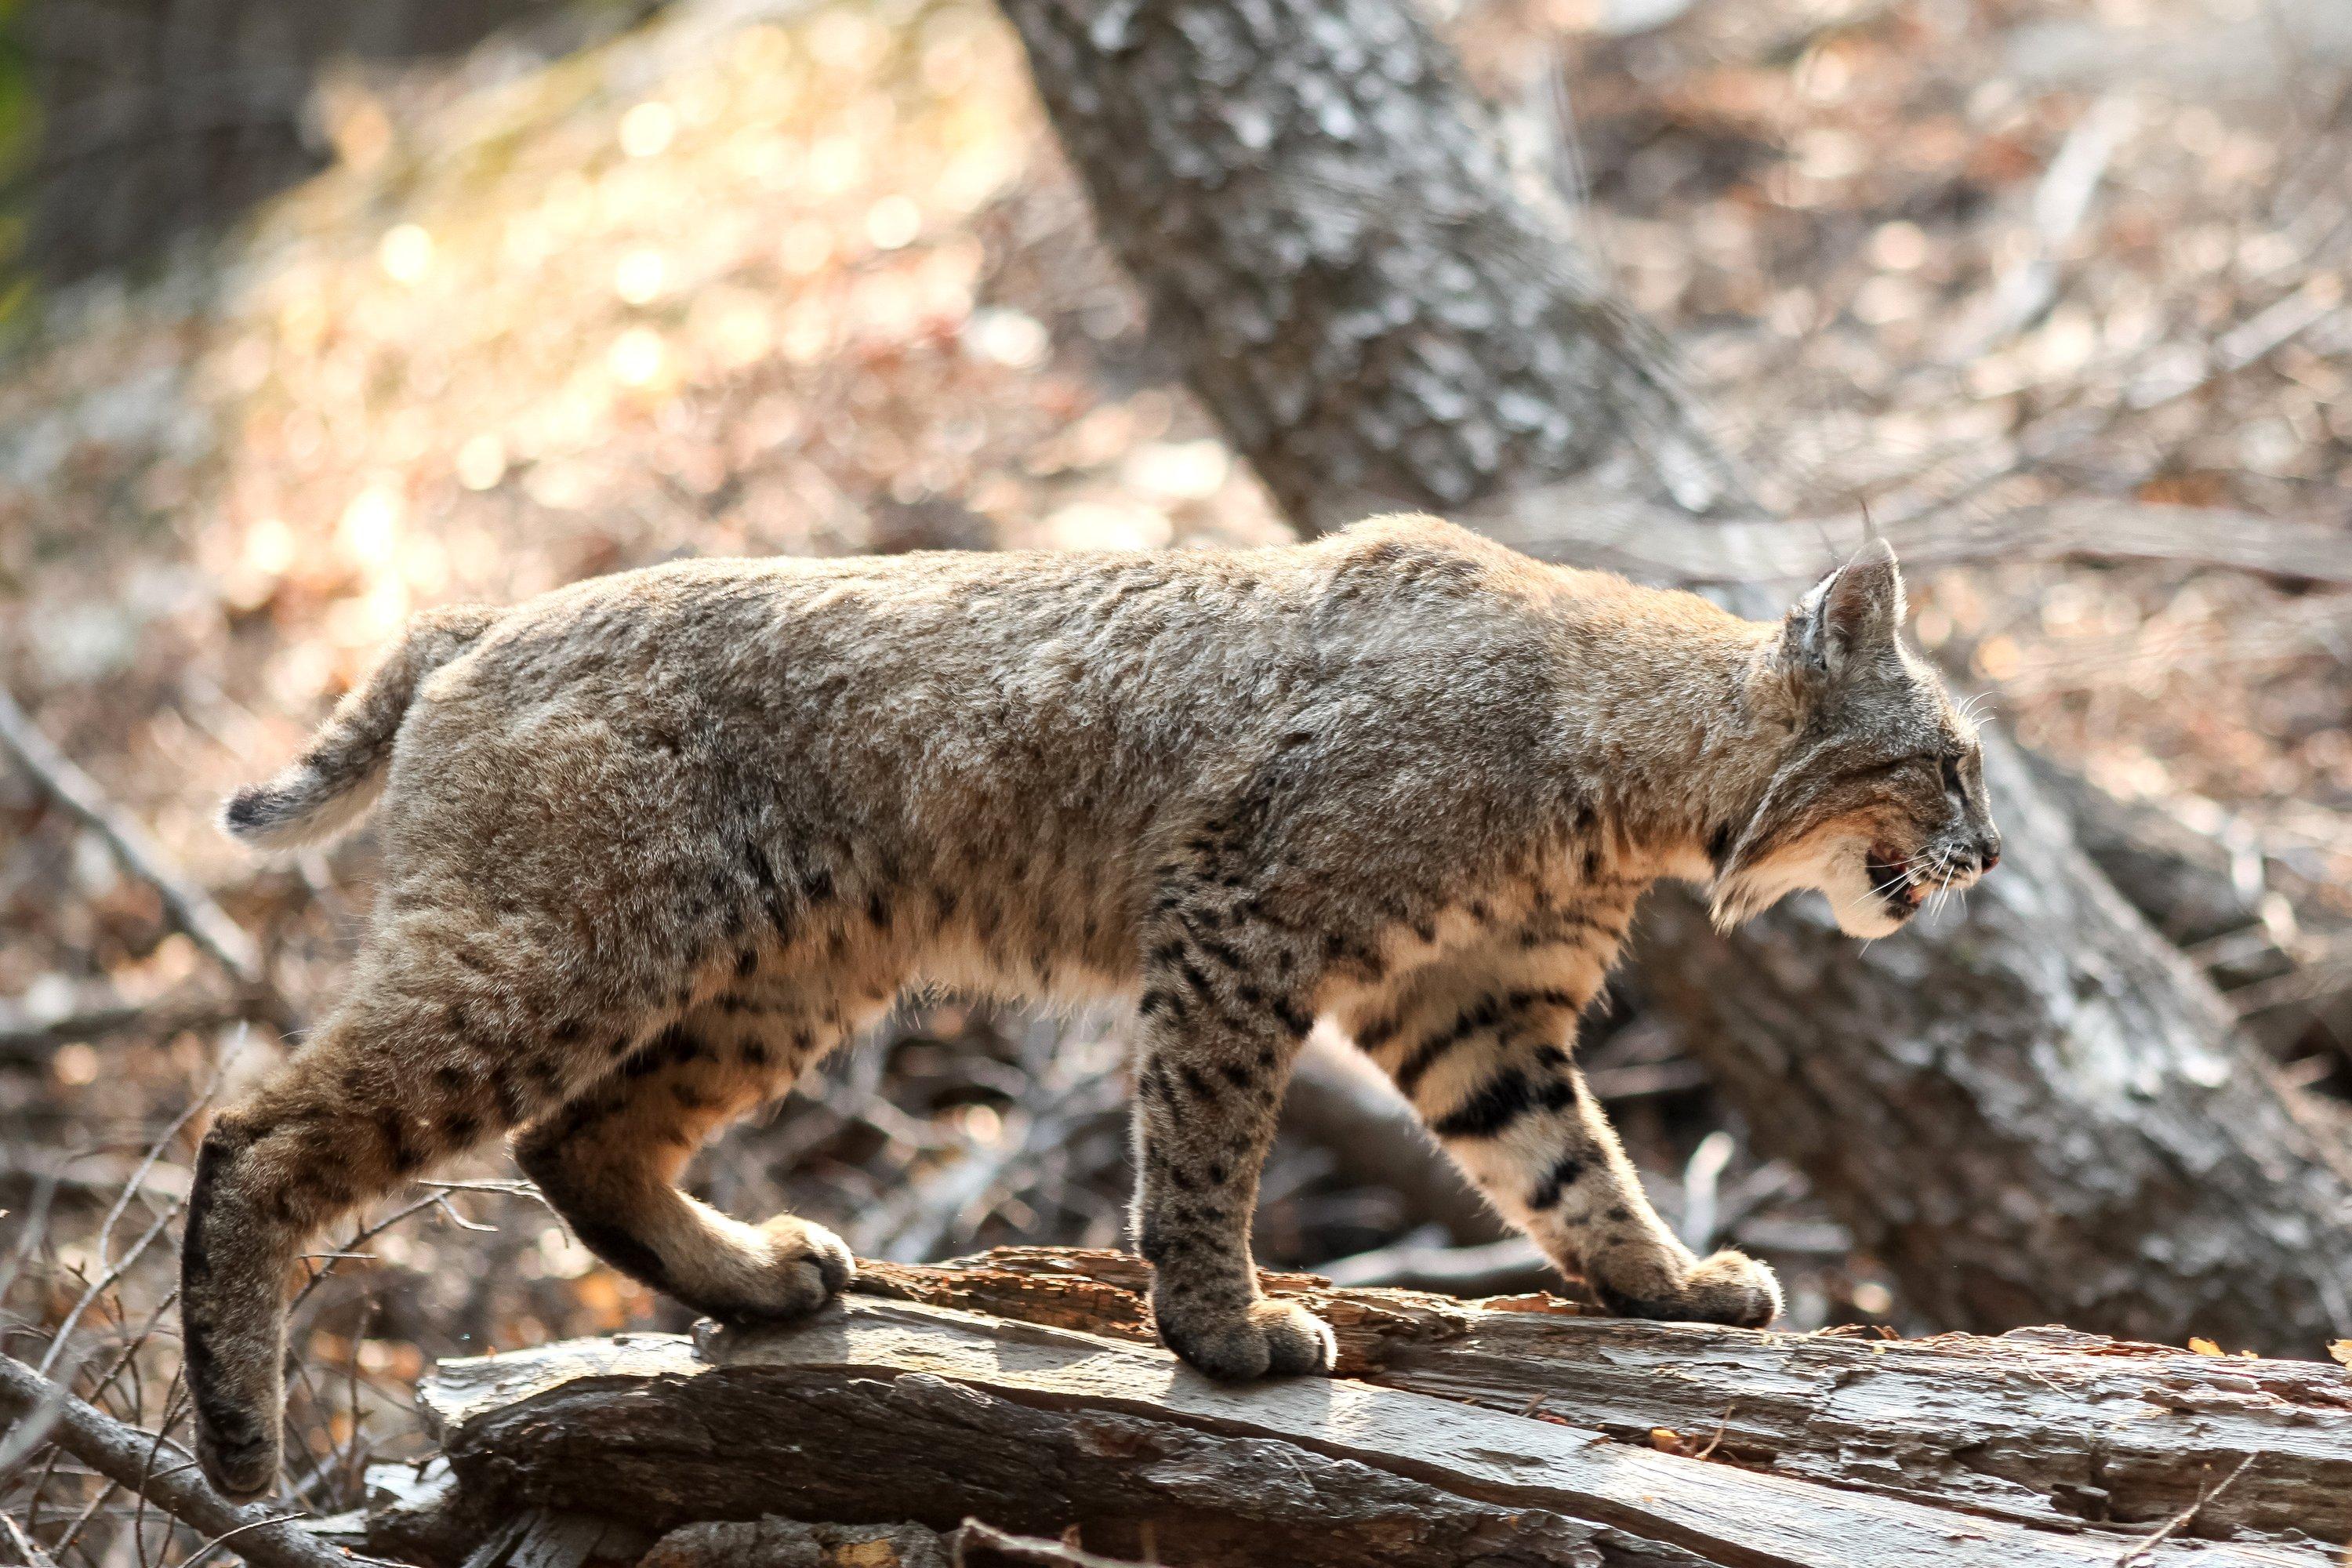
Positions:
(773, 1543)
(2181, 880)
(1331, 241)
(2037, 1112)
(1465, 1433)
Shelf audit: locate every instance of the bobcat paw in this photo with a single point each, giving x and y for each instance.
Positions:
(238, 1456)
(1267, 1339)
(1728, 1287)
(806, 1266)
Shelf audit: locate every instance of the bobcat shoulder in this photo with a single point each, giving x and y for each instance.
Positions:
(654, 843)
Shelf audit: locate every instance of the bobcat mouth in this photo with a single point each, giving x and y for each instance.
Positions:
(1891, 880)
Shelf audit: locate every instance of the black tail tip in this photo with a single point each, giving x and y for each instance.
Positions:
(254, 809)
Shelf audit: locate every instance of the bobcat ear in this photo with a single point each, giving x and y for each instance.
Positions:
(1850, 617)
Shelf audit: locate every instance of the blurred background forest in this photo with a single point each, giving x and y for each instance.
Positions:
(315, 316)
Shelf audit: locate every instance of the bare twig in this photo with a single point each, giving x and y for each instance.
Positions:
(28, 1036)
(190, 908)
(2180, 1521)
(954, 1201)
(106, 1494)
(98, 1287)
(132, 1188)
(2061, 204)
(120, 1453)
(1649, 543)
(31, 1231)
(1720, 1427)
(349, 1249)
(33, 1555)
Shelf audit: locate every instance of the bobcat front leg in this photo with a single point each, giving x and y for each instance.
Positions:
(1218, 1040)
(1487, 1066)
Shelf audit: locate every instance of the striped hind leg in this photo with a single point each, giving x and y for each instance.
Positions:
(609, 1160)
(391, 1085)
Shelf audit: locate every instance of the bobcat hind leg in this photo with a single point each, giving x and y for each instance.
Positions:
(609, 1162)
(386, 1090)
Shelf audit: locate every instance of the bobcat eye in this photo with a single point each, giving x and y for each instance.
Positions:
(1951, 767)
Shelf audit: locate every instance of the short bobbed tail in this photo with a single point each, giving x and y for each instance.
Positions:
(340, 774)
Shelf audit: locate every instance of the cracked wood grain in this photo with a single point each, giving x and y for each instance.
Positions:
(882, 1410)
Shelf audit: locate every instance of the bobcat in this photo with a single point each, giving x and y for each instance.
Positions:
(654, 843)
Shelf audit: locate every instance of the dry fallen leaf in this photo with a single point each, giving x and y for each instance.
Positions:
(1666, 1440)
(2340, 1351)
(2204, 1347)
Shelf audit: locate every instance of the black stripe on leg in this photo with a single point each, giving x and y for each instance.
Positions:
(1564, 1173)
(1500, 1101)
(1431, 1048)
(1487, 1013)
(622, 1250)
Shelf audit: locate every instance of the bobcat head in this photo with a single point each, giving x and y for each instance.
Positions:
(1878, 799)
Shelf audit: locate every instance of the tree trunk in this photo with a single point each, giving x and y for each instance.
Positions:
(2038, 1111)
(1521, 1433)
(1329, 239)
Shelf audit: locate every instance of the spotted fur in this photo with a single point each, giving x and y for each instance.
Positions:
(656, 843)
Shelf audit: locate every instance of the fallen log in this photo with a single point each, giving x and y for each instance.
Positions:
(775, 1542)
(1023, 1390)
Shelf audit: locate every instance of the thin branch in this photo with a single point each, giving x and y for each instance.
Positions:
(190, 908)
(436, 1200)
(30, 1038)
(98, 1286)
(33, 1555)
(2024, 293)
(120, 1453)
(2180, 1521)
(1575, 524)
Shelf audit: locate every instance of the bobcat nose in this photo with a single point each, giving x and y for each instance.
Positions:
(1989, 853)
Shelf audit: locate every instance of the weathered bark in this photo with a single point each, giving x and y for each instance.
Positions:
(1329, 241)
(1339, 263)
(2177, 878)
(1463, 1433)
(775, 1542)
